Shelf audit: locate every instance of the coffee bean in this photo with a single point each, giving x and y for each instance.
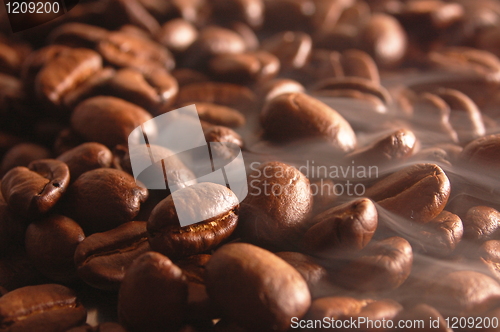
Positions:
(103, 258)
(64, 72)
(51, 243)
(177, 35)
(153, 295)
(357, 63)
(94, 86)
(482, 154)
(132, 12)
(291, 48)
(86, 157)
(220, 115)
(78, 35)
(41, 308)
(419, 192)
(261, 293)
(480, 223)
(278, 86)
(22, 155)
(296, 116)
(277, 206)
(35, 190)
(345, 228)
(211, 210)
(250, 39)
(104, 198)
(248, 11)
(489, 255)
(382, 265)
(108, 120)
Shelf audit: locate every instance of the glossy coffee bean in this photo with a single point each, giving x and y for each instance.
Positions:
(296, 116)
(177, 35)
(86, 157)
(103, 258)
(291, 48)
(482, 154)
(153, 295)
(51, 243)
(104, 198)
(261, 293)
(278, 86)
(23, 154)
(212, 211)
(419, 192)
(347, 227)
(481, 223)
(35, 190)
(382, 265)
(43, 308)
(108, 120)
(277, 206)
(66, 71)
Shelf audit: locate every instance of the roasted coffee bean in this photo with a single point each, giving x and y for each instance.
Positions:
(210, 212)
(489, 255)
(109, 120)
(65, 72)
(261, 293)
(419, 192)
(43, 308)
(248, 11)
(278, 86)
(153, 295)
(51, 243)
(466, 60)
(345, 228)
(357, 63)
(232, 95)
(86, 157)
(35, 190)
(384, 39)
(291, 48)
(249, 37)
(277, 205)
(132, 11)
(244, 67)
(78, 35)
(102, 258)
(348, 309)
(126, 50)
(382, 265)
(481, 223)
(150, 91)
(392, 148)
(104, 198)
(220, 115)
(296, 116)
(463, 293)
(482, 154)
(22, 155)
(422, 313)
(177, 35)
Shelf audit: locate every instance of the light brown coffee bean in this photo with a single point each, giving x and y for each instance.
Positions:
(261, 293)
(177, 35)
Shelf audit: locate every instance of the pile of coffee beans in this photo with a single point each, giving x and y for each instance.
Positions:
(370, 134)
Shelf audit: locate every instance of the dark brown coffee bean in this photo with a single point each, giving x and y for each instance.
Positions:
(249, 11)
(296, 116)
(126, 50)
(78, 35)
(424, 315)
(463, 293)
(65, 72)
(104, 198)
(103, 258)
(150, 91)
(392, 148)
(22, 155)
(219, 115)
(345, 228)
(210, 212)
(94, 86)
(357, 63)
(35, 190)
(86, 157)
(278, 86)
(480, 223)
(232, 95)
(43, 308)
(419, 192)
(153, 295)
(262, 292)
(108, 120)
(291, 48)
(384, 39)
(483, 154)
(382, 265)
(177, 35)
(277, 205)
(51, 243)
(348, 309)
